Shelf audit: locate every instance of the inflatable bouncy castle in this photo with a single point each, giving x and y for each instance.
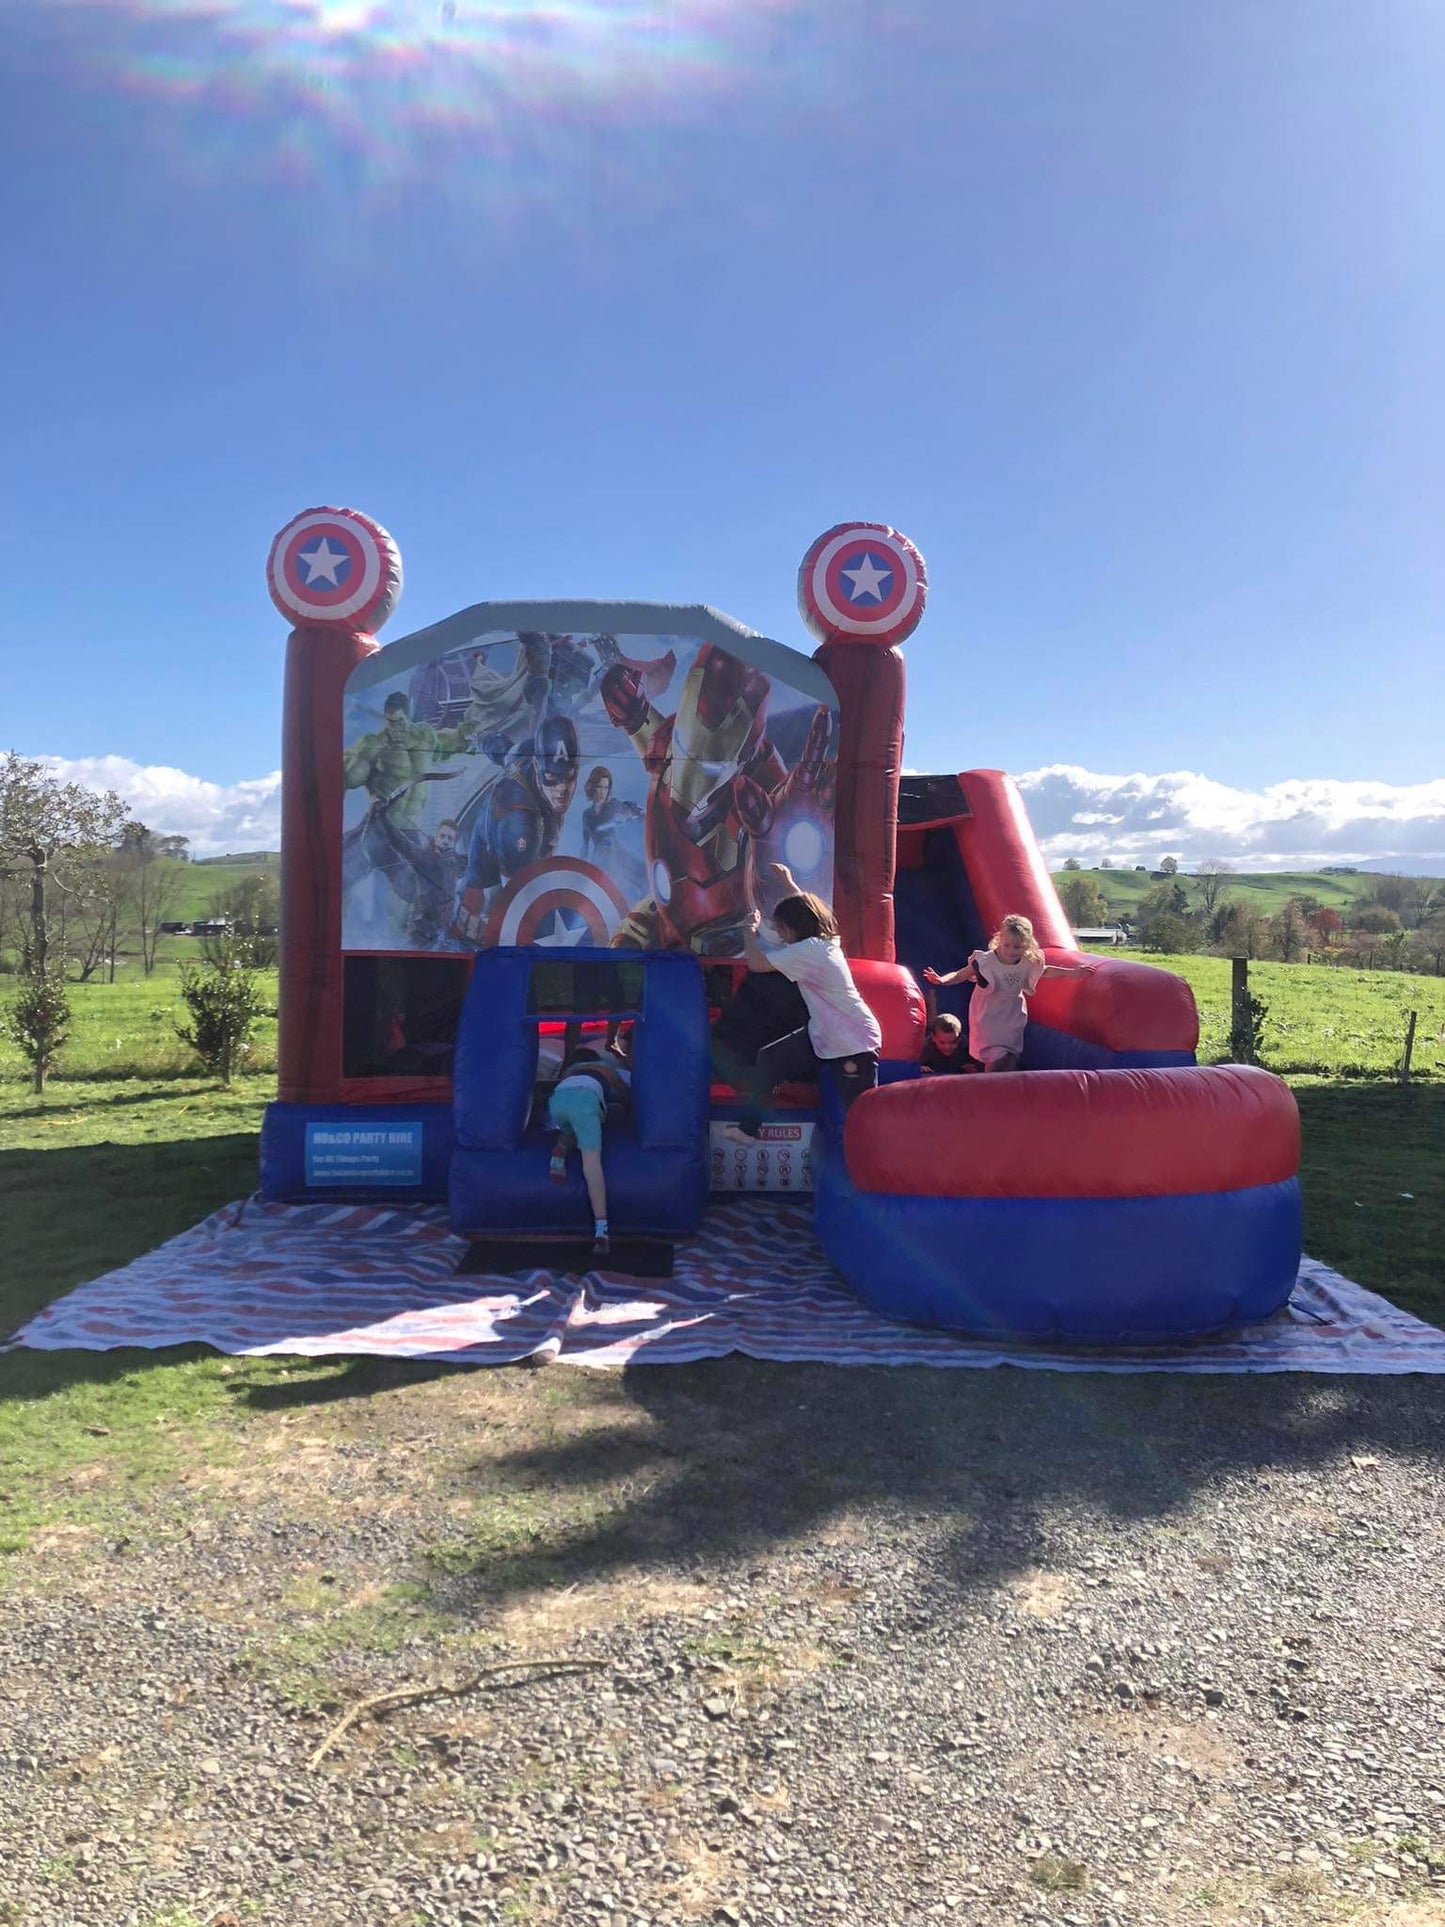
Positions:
(538, 820)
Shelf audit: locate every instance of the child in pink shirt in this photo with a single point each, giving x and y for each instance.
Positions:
(1004, 977)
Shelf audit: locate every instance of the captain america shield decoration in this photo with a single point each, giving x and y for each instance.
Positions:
(557, 904)
(335, 568)
(862, 582)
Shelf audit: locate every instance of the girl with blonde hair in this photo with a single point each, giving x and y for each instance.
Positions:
(1003, 977)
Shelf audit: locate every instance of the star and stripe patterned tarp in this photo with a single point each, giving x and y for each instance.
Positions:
(323, 1280)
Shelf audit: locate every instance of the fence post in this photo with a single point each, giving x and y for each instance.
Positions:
(1239, 1025)
(1409, 1048)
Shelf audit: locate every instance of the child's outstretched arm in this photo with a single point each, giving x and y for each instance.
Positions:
(757, 958)
(965, 974)
(1067, 970)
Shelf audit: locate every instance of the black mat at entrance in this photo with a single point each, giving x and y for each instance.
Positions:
(631, 1257)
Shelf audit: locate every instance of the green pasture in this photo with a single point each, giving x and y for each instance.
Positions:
(1321, 1021)
(129, 1147)
(202, 883)
(1267, 892)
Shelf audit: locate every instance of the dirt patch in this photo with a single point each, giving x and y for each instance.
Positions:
(541, 1621)
(1198, 1745)
(1043, 1594)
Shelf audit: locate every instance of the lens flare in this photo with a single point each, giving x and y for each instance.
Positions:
(290, 86)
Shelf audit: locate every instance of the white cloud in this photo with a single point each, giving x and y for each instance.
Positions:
(216, 817)
(1294, 825)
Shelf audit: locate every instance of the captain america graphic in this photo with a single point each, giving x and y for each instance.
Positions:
(517, 819)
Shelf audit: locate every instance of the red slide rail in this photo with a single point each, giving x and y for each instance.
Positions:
(1120, 1004)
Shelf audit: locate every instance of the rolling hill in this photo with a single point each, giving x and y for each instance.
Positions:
(1267, 892)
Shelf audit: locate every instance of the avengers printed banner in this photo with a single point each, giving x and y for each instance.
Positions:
(631, 790)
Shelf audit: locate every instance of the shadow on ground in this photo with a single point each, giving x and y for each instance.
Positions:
(75, 1211)
(671, 1468)
(741, 1458)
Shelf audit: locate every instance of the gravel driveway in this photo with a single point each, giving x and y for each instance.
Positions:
(878, 1647)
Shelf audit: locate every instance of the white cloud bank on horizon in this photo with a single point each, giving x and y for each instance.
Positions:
(216, 817)
(1295, 825)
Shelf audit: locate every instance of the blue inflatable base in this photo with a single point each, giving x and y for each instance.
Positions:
(1046, 1049)
(1092, 1271)
(355, 1153)
(650, 1193)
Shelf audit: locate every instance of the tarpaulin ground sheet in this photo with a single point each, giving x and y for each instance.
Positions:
(322, 1280)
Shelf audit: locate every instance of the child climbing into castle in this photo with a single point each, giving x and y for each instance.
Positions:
(1004, 977)
(589, 1080)
(841, 1033)
(943, 1054)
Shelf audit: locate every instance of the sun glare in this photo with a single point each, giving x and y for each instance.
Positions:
(294, 86)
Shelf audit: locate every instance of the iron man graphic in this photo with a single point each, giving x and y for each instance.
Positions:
(722, 804)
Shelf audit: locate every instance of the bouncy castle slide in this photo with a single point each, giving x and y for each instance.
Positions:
(966, 858)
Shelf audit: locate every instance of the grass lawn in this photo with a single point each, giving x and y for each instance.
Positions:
(126, 1150)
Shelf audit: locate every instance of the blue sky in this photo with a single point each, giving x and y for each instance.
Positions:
(1127, 312)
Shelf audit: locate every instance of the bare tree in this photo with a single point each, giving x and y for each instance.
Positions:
(1426, 899)
(47, 828)
(1431, 939)
(1210, 876)
(1291, 932)
(251, 909)
(152, 883)
(1242, 932)
(95, 912)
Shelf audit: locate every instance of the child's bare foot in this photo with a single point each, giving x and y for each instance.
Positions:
(735, 1134)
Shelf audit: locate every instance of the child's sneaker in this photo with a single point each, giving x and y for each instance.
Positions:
(601, 1245)
(557, 1168)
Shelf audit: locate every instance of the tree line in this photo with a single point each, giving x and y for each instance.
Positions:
(85, 886)
(1396, 922)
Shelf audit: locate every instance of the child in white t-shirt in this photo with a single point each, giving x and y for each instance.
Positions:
(1004, 977)
(841, 1035)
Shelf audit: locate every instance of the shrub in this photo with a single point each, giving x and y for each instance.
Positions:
(223, 996)
(38, 1023)
(1169, 933)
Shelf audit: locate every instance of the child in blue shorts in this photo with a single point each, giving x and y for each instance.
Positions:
(589, 1081)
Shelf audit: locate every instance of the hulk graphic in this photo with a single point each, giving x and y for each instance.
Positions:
(393, 765)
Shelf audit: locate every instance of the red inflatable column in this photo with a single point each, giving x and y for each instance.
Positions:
(337, 574)
(870, 683)
(318, 662)
(861, 590)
